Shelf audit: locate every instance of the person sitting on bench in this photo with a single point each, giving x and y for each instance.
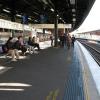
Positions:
(31, 42)
(19, 44)
(11, 49)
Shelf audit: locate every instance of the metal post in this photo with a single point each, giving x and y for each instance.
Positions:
(43, 31)
(64, 29)
(13, 14)
(56, 30)
(23, 30)
(13, 20)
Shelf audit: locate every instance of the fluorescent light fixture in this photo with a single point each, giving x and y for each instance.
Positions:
(72, 2)
(73, 10)
(5, 10)
(74, 15)
(52, 9)
(29, 18)
(18, 15)
(45, 1)
(63, 20)
(36, 13)
(35, 20)
(74, 19)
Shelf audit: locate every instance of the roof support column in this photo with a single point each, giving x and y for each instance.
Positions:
(56, 30)
(13, 11)
(13, 20)
(13, 15)
(43, 31)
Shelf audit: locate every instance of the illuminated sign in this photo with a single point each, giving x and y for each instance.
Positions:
(13, 25)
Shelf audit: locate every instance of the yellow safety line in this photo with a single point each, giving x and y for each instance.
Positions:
(55, 94)
(52, 95)
(49, 96)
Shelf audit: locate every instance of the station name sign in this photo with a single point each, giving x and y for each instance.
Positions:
(13, 25)
(51, 26)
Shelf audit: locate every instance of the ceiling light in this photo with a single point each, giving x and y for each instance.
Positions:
(74, 19)
(5, 10)
(52, 9)
(36, 13)
(45, 1)
(72, 2)
(18, 15)
(29, 18)
(74, 15)
(63, 20)
(35, 20)
(73, 10)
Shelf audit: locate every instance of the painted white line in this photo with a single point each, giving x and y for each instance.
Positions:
(9, 89)
(3, 69)
(15, 84)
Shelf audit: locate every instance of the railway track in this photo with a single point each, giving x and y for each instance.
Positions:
(93, 51)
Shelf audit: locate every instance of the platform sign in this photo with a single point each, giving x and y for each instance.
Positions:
(13, 25)
(51, 26)
(5, 24)
(27, 28)
(68, 26)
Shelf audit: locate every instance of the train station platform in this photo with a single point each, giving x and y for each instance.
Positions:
(53, 74)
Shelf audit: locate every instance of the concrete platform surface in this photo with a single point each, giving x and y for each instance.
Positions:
(53, 74)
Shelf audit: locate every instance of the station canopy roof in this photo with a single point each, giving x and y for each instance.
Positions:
(43, 11)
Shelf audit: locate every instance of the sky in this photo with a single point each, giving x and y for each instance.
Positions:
(92, 22)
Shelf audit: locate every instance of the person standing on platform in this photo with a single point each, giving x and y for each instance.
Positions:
(61, 40)
(68, 39)
(51, 38)
(73, 40)
(64, 40)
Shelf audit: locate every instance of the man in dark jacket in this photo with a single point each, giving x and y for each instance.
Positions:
(19, 44)
(73, 40)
